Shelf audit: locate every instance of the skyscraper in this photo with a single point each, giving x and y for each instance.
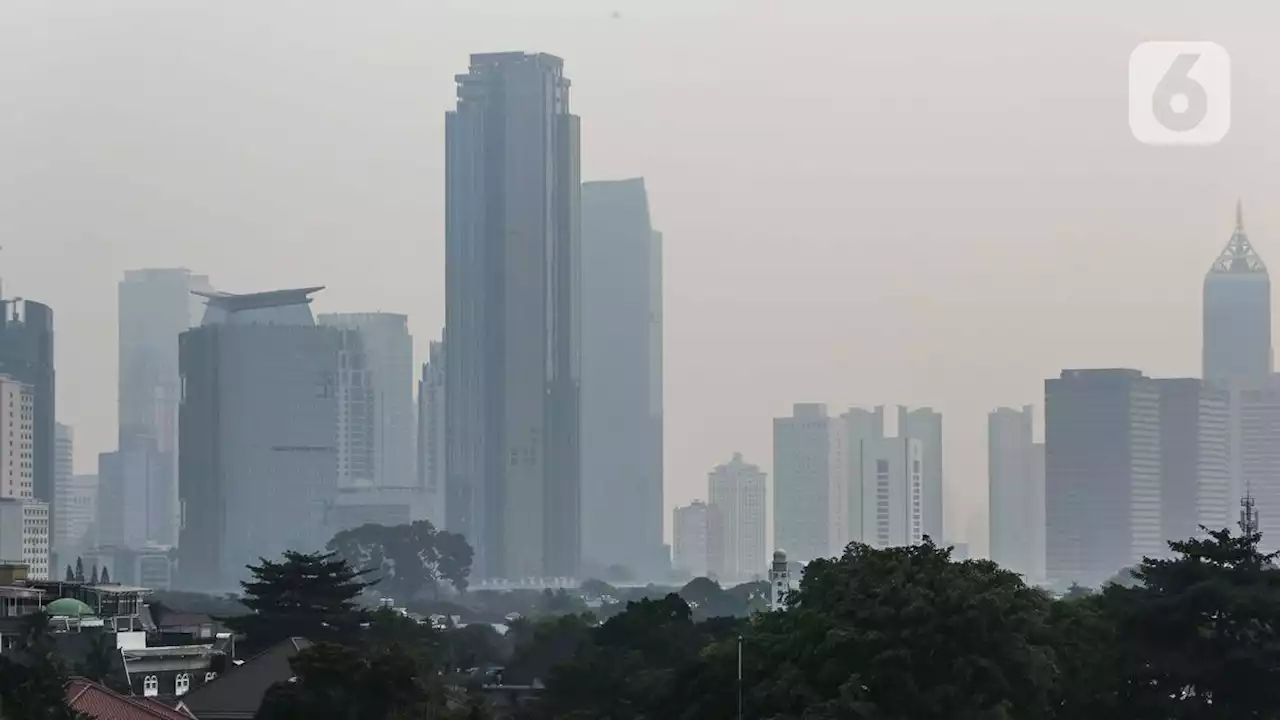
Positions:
(512, 317)
(1195, 473)
(431, 438)
(26, 355)
(1253, 416)
(879, 482)
(258, 433)
(736, 492)
(804, 473)
(1015, 469)
(1237, 312)
(1102, 473)
(622, 507)
(925, 425)
(692, 527)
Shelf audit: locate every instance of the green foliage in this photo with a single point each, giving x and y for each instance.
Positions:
(32, 678)
(309, 595)
(408, 560)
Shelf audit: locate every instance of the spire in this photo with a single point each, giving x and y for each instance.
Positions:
(1238, 257)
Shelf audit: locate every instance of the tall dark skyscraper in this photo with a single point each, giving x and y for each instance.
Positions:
(258, 432)
(1102, 473)
(26, 355)
(512, 317)
(622, 508)
(1237, 312)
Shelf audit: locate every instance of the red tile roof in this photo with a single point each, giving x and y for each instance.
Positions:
(103, 703)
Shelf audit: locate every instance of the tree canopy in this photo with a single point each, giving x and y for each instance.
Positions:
(406, 560)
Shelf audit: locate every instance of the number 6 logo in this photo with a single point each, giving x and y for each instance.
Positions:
(1179, 93)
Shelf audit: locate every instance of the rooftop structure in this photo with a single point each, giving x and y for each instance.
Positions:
(271, 307)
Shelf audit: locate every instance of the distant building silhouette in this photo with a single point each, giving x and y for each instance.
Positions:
(737, 498)
(1015, 471)
(512, 317)
(693, 550)
(24, 520)
(384, 426)
(805, 470)
(258, 432)
(431, 434)
(1237, 312)
(1195, 451)
(622, 506)
(879, 496)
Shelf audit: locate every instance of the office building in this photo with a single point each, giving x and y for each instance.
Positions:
(17, 444)
(257, 433)
(512, 317)
(431, 437)
(879, 479)
(1254, 456)
(1195, 468)
(24, 535)
(925, 425)
(692, 548)
(622, 504)
(1237, 312)
(1102, 474)
(804, 473)
(26, 356)
(736, 493)
(376, 420)
(75, 506)
(136, 498)
(1015, 474)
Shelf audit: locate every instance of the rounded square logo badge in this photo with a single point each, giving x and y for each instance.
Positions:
(1179, 93)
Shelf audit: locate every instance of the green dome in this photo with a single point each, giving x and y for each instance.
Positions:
(68, 607)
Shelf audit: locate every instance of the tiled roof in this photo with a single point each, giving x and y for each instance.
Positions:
(238, 691)
(103, 703)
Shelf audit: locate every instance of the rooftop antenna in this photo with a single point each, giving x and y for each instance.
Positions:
(1248, 515)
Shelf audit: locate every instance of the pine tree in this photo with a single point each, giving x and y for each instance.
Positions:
(71, 576)
(79, 570)
(105, 579)
(309, 595)
(94, 579)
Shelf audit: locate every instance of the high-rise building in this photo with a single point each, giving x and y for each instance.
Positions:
(257, 433)
(1237, 312)
(17, 446)
(804, 472)
(1102, 474)
(925, 425)
(1254, 457)
(135, 498)
(622, 504)
(24, 534)
(1195, 468)
(691, 533)
(26, 355)
(736, 493)
(512, 317)
(431, 437)
(879, 495)
(75, 506)
(1015, 471)
(386, 424)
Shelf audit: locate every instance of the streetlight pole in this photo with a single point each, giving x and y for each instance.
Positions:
(739, 677)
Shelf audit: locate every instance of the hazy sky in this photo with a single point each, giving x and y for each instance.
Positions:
(915, 204)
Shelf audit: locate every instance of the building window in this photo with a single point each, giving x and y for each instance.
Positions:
(182, 684)
(150, 686)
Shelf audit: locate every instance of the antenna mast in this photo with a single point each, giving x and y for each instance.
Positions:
(1248, 515)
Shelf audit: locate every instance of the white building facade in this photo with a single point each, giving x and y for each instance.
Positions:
(17, 448)
(737, 493)
(692, 528)
(1015, 467)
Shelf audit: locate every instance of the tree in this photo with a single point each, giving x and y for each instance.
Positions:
(94, 579)
(406, 559)
(32, 679)
(71, 577)
(79, 570)
(1199, 636)
(309, 595)
(904, 633)
(106, 579)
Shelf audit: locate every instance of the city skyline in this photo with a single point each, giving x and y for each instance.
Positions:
(740, 265)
